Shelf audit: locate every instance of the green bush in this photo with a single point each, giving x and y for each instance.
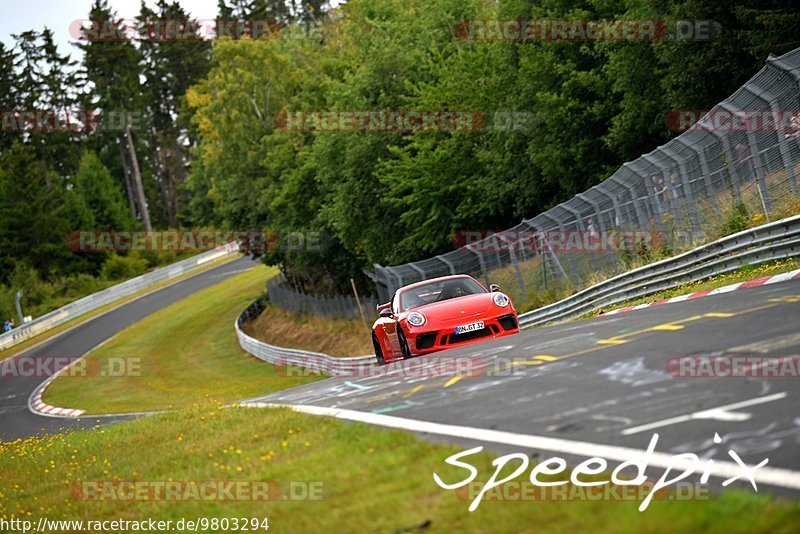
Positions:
(737, 218)
(123, 267)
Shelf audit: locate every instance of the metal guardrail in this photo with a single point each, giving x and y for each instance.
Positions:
(296, 360)
(773, 241)
(112, 294)
(777, 240)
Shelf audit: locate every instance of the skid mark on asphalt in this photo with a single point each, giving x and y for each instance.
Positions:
(769, 345)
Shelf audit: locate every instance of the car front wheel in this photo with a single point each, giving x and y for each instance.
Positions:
(403, 344)
(378, 352)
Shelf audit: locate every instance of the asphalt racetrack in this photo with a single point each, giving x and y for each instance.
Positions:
(573, 390)
(17, 421)
(601, 384)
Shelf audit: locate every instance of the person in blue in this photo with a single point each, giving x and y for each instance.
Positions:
(7, 326)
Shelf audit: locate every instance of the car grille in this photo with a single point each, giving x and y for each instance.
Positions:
(508, 322)
(426, 341)
(452, 339)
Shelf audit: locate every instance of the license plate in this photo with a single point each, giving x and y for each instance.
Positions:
(469, 327)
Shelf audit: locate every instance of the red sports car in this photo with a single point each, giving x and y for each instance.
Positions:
(438, 314)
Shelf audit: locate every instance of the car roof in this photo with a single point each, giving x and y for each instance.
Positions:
(439, 279)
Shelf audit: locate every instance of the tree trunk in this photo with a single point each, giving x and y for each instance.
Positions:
(127, 176)
(137, 182)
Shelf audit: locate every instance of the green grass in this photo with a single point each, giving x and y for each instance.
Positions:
(372, 480)
(179, 356)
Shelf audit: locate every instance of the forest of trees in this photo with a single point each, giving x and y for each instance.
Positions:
(208, 154)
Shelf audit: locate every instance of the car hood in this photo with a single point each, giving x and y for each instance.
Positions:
(467, 306)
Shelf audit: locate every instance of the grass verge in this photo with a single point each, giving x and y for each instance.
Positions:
(181, 355)
(371, 479)
(335, 337)
(44, 336)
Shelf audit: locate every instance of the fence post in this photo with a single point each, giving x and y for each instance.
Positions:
(687, 186)
(756, 163)
(701, 157)
(447, 262)
(770, 100)
(516, 266)
(481, 263)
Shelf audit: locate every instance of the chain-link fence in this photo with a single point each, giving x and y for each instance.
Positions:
(287, 298)
(740, 160)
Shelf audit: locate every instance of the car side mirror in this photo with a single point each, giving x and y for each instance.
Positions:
(493, 288)
(385, 312)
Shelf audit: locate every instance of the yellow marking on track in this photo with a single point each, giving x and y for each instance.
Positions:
(453, 380)
(668, 327)
(720, 315)
(527, 362)
(611, 341)
(545, 357)
(413, 391)
(785, 298)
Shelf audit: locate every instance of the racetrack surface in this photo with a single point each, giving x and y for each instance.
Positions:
(604, 381)
(17, 421)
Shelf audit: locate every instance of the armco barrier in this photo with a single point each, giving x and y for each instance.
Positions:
(773, 241)
(112, 294)
(298, 359)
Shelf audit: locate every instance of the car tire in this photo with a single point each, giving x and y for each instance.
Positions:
(401, 338)
(378, 351)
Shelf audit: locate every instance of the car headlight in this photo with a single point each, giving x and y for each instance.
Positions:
(501, 300)
(416, 319)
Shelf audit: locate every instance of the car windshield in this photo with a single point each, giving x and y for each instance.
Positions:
(438, 291)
